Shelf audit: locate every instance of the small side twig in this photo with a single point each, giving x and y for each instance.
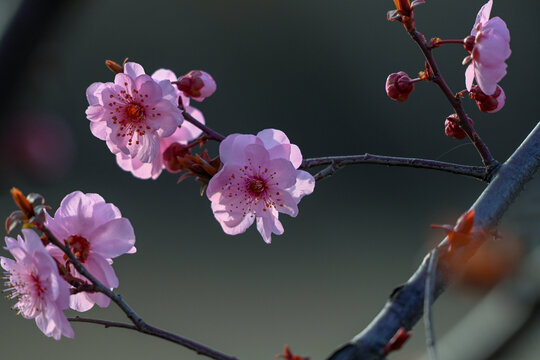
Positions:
(431, 276)
(335, 162)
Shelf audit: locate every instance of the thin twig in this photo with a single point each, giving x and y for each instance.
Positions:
(105, 323)
(139, 324)
(150, 330)
(438, 79)
(405, 306)
(212, 135)
(336, 162)
(428, 301)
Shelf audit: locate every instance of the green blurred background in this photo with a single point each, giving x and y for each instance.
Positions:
(314, 69)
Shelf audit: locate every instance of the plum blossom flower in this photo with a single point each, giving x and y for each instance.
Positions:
(183, 134)
(33, 279)
(133, 113)
(259, 180)
(96, 232)
(489, 45)
(197, 84)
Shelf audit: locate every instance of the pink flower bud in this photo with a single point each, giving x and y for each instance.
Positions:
(399, 86)
(488, 103)
(197, 85)
(452, 128)
(173, 155)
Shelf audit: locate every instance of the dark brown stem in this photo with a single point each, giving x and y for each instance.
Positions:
(336, 162)
(438, 79)
(139, 324)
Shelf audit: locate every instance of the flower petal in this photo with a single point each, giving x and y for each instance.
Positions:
(113, 238)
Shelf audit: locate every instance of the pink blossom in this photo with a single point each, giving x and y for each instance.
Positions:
(183, 134)
(259, 180)
(197, 84)
(489, 45)
(133, 113)
(97, 233)
(33, 279)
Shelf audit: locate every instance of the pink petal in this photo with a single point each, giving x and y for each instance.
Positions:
(258, 155)
(232, 147)
(123, 82)
(93, 93)
(148, 89)
(165, 118)
(286, 204)
(469, 76)
(267, 226)
(285, 173)
(488, 77)
(99, 299)
(80, 302)
(99, 129)
(497, 26)
(149, 149)
(113, 238)
(483, 15)
(139, 169)
(133, 69)
(305, 184)
(102, 270)
(231, 223)
(219, 181)
(273, 137)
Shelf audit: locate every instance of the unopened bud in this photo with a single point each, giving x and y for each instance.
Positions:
(399, 86)
(114, 66)
(488, 103)
(452, 128)
(197, 85)
(468, 43)
(173, 157)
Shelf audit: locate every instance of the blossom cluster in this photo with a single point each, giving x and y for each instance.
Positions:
(42, 279)
(489, 47)
(139, 116)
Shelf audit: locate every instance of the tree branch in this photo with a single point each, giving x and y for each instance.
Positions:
(139, 324)
(438, 79)
(405, 306)
(336, 162)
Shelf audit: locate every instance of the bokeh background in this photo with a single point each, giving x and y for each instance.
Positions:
(314, 69)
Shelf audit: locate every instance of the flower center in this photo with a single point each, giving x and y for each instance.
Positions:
(257, 186)
(135, 112)
(80, 247)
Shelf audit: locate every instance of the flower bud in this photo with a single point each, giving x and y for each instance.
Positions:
(399, 86)
(452, 128)
(197, 85)
(173, 157)
(488, 103)
(468, 43)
